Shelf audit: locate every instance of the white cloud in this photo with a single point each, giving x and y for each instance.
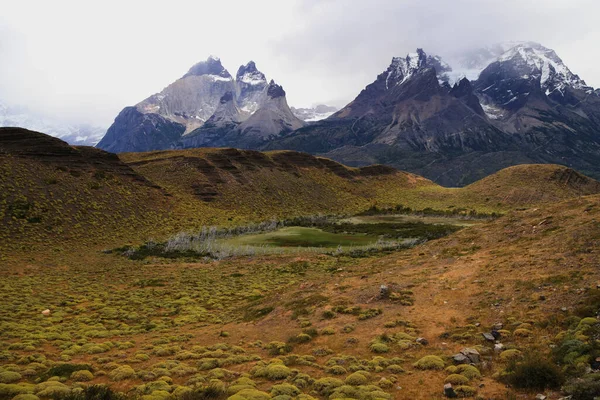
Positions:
(87, 60)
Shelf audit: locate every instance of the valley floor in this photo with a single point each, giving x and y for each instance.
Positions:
(308, 324)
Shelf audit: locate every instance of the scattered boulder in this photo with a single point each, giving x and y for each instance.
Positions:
(422, 341)
(384, 292)
(472, 355)
(489, 337)
(498, 347)
(496, 334)
(498, 326)
(460, 359)
(467, 356)
(449, 391)
(46, 312)
(540, 396)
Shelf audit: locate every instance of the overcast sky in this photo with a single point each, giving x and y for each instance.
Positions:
(86, 60)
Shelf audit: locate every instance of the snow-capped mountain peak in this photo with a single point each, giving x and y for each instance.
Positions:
(543, 62)
(251, 87)
(212, 66)
(250, 75)
(402, 68)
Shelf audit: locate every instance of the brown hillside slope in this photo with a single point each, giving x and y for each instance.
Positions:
(53, 193)
(242, 183)
(534, 184)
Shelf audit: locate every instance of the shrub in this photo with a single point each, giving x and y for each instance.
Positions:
(457, 379)
(395, 369)
(328, 331)
(379, 347)
(10, 390)
(356, 379)
(469, 371)
(82, 376)
(52, 389)
(121, 373)
(522, 332)
(276, 372)
(211, 392)
(429, 362)
(452, 369)
(285, 389)
(584, 388)
(326, 386)
(510, 354)
(534, 372)
(250, 394)
(300, 338)
(465, 391)
(26, 396)
(385, 383)
(9, 377)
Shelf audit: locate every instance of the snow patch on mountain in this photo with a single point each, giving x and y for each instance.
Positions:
(545, 63)
(75, 134)
(314, 114)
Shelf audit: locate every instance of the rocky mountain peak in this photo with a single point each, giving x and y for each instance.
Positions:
(274, 90)
(531, 59)
(212, 66)
(402, 68)
(250, 75)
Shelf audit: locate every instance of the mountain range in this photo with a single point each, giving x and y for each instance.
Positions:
(503, 105)
(73, 133)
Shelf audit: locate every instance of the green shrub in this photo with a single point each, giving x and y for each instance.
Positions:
(337, 370)
(534, 372)
(121, 373)
(52, 389)
(510, 354)
(26, 396)
(250, 394)
(9, 377)
(276, 372)
(465, 391)
(211, 392)
(457, 379)
(430, 362)
(82, 376)
(326, 386)
(587, 387)
(395, 369)
(469, 371)
(379, 347)
(10, 390)
(285, 389)
(356, 379)
(328, 331)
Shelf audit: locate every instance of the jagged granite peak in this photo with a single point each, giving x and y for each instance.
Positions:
(251, 84)
(192, 99)
(227, 112)
(464, 90)
(273, 118)
(250, 75)
(274, 90)
(212, 66)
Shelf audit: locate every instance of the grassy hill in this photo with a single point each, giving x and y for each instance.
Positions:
(54, 194)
